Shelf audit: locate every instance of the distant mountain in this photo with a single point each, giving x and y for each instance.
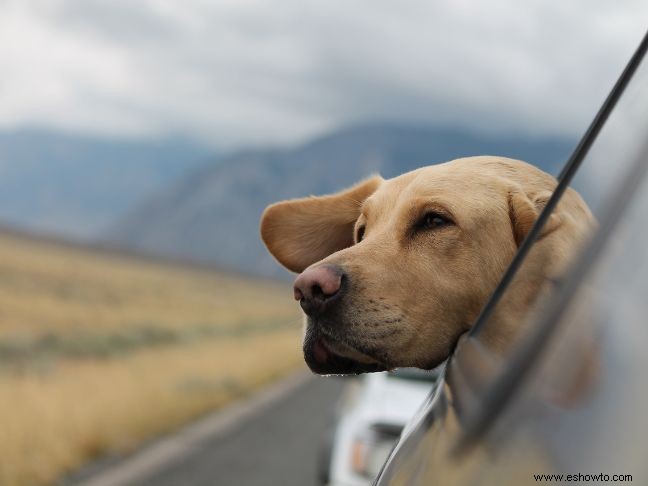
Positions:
(76, 185)
(213, 214)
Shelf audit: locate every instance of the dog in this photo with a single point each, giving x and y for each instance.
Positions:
(392, 272)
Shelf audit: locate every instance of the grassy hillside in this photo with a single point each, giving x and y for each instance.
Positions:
(99, 352)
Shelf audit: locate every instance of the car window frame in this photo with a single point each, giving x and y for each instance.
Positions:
(496, 393)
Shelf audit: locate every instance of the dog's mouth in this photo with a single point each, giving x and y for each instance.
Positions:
(325, 355)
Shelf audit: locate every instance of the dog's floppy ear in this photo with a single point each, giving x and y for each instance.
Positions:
(524, 209)
(301, 232)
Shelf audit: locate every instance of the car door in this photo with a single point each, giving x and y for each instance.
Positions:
(569, 399)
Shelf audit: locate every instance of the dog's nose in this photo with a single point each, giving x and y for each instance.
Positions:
(316, 287)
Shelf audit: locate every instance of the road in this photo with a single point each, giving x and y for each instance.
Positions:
(272, 440)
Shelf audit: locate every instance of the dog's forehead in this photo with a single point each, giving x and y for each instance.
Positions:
(442, 180)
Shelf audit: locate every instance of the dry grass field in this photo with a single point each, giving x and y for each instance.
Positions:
(99, 351)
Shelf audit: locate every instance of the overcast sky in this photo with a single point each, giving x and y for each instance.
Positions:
(239, 72)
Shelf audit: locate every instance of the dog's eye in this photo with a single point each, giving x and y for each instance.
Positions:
(360, 234)
(434, 220)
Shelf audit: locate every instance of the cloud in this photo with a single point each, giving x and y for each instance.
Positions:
(234, 72)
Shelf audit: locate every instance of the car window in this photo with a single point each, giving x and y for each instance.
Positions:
(605, 338)
(595, 178)
(587, 354)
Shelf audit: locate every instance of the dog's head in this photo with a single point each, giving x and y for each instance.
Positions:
(394, 271)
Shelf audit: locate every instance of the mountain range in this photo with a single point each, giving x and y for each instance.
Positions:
(211, 215)
(76, 185)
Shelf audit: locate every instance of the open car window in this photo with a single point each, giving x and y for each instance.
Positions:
(588, 329)
(607, 174)
(595, 172)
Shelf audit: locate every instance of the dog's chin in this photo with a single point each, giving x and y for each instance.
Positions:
(327, 356)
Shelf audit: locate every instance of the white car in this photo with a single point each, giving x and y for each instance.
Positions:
(370, 418)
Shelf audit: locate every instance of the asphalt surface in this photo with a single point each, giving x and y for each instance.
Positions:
(277, 446)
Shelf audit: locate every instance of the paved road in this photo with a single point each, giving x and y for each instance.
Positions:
(277, 444)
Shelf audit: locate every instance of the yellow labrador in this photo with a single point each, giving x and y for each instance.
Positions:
(393, 271)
